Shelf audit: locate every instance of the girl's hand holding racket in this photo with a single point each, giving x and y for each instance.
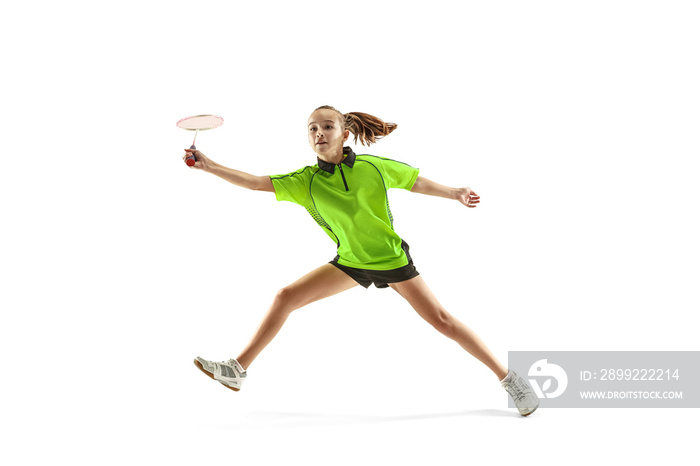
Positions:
(202, 162)
(467, 197)
(198, 123)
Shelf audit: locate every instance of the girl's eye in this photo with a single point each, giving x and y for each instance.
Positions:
(328, 126)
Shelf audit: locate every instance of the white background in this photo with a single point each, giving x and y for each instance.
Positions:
(576, 122)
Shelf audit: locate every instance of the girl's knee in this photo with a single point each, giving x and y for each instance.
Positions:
(284, 299)
(289, 298)
(443, 322)
(283, 294)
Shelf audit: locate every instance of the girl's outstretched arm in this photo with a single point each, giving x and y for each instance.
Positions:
(239, 178)
(464, 195)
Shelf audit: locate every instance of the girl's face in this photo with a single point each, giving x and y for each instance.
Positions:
(326, 136)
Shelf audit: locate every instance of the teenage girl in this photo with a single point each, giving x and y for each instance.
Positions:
(347, 196)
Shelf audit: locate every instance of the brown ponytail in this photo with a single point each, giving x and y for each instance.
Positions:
(367, 128)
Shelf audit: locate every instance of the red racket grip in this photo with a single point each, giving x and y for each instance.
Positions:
(190, 160)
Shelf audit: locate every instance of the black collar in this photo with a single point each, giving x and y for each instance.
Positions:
(348, 160)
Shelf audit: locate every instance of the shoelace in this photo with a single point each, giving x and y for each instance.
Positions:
(518, 390)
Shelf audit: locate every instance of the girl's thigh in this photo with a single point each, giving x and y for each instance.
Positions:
(320, 283)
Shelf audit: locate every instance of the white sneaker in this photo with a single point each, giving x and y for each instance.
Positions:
(230, 373)
(524, 398)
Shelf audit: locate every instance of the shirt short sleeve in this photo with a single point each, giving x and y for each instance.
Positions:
(398, 174)
(293, 187)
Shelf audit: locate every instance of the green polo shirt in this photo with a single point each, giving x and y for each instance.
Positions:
(349, 201)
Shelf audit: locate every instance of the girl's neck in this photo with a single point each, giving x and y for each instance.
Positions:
(335, 159)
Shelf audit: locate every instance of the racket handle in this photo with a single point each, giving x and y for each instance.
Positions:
(190, 159)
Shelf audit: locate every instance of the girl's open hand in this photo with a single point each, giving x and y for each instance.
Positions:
(467, 197)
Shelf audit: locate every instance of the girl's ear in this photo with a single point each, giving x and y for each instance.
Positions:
(346, 135)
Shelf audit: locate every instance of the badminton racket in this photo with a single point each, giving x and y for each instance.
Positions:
(198, 123)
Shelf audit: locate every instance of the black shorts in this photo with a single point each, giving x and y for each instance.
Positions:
(380, 278)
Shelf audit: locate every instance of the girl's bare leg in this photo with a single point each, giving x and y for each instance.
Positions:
(322, 282)
(423, 300)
